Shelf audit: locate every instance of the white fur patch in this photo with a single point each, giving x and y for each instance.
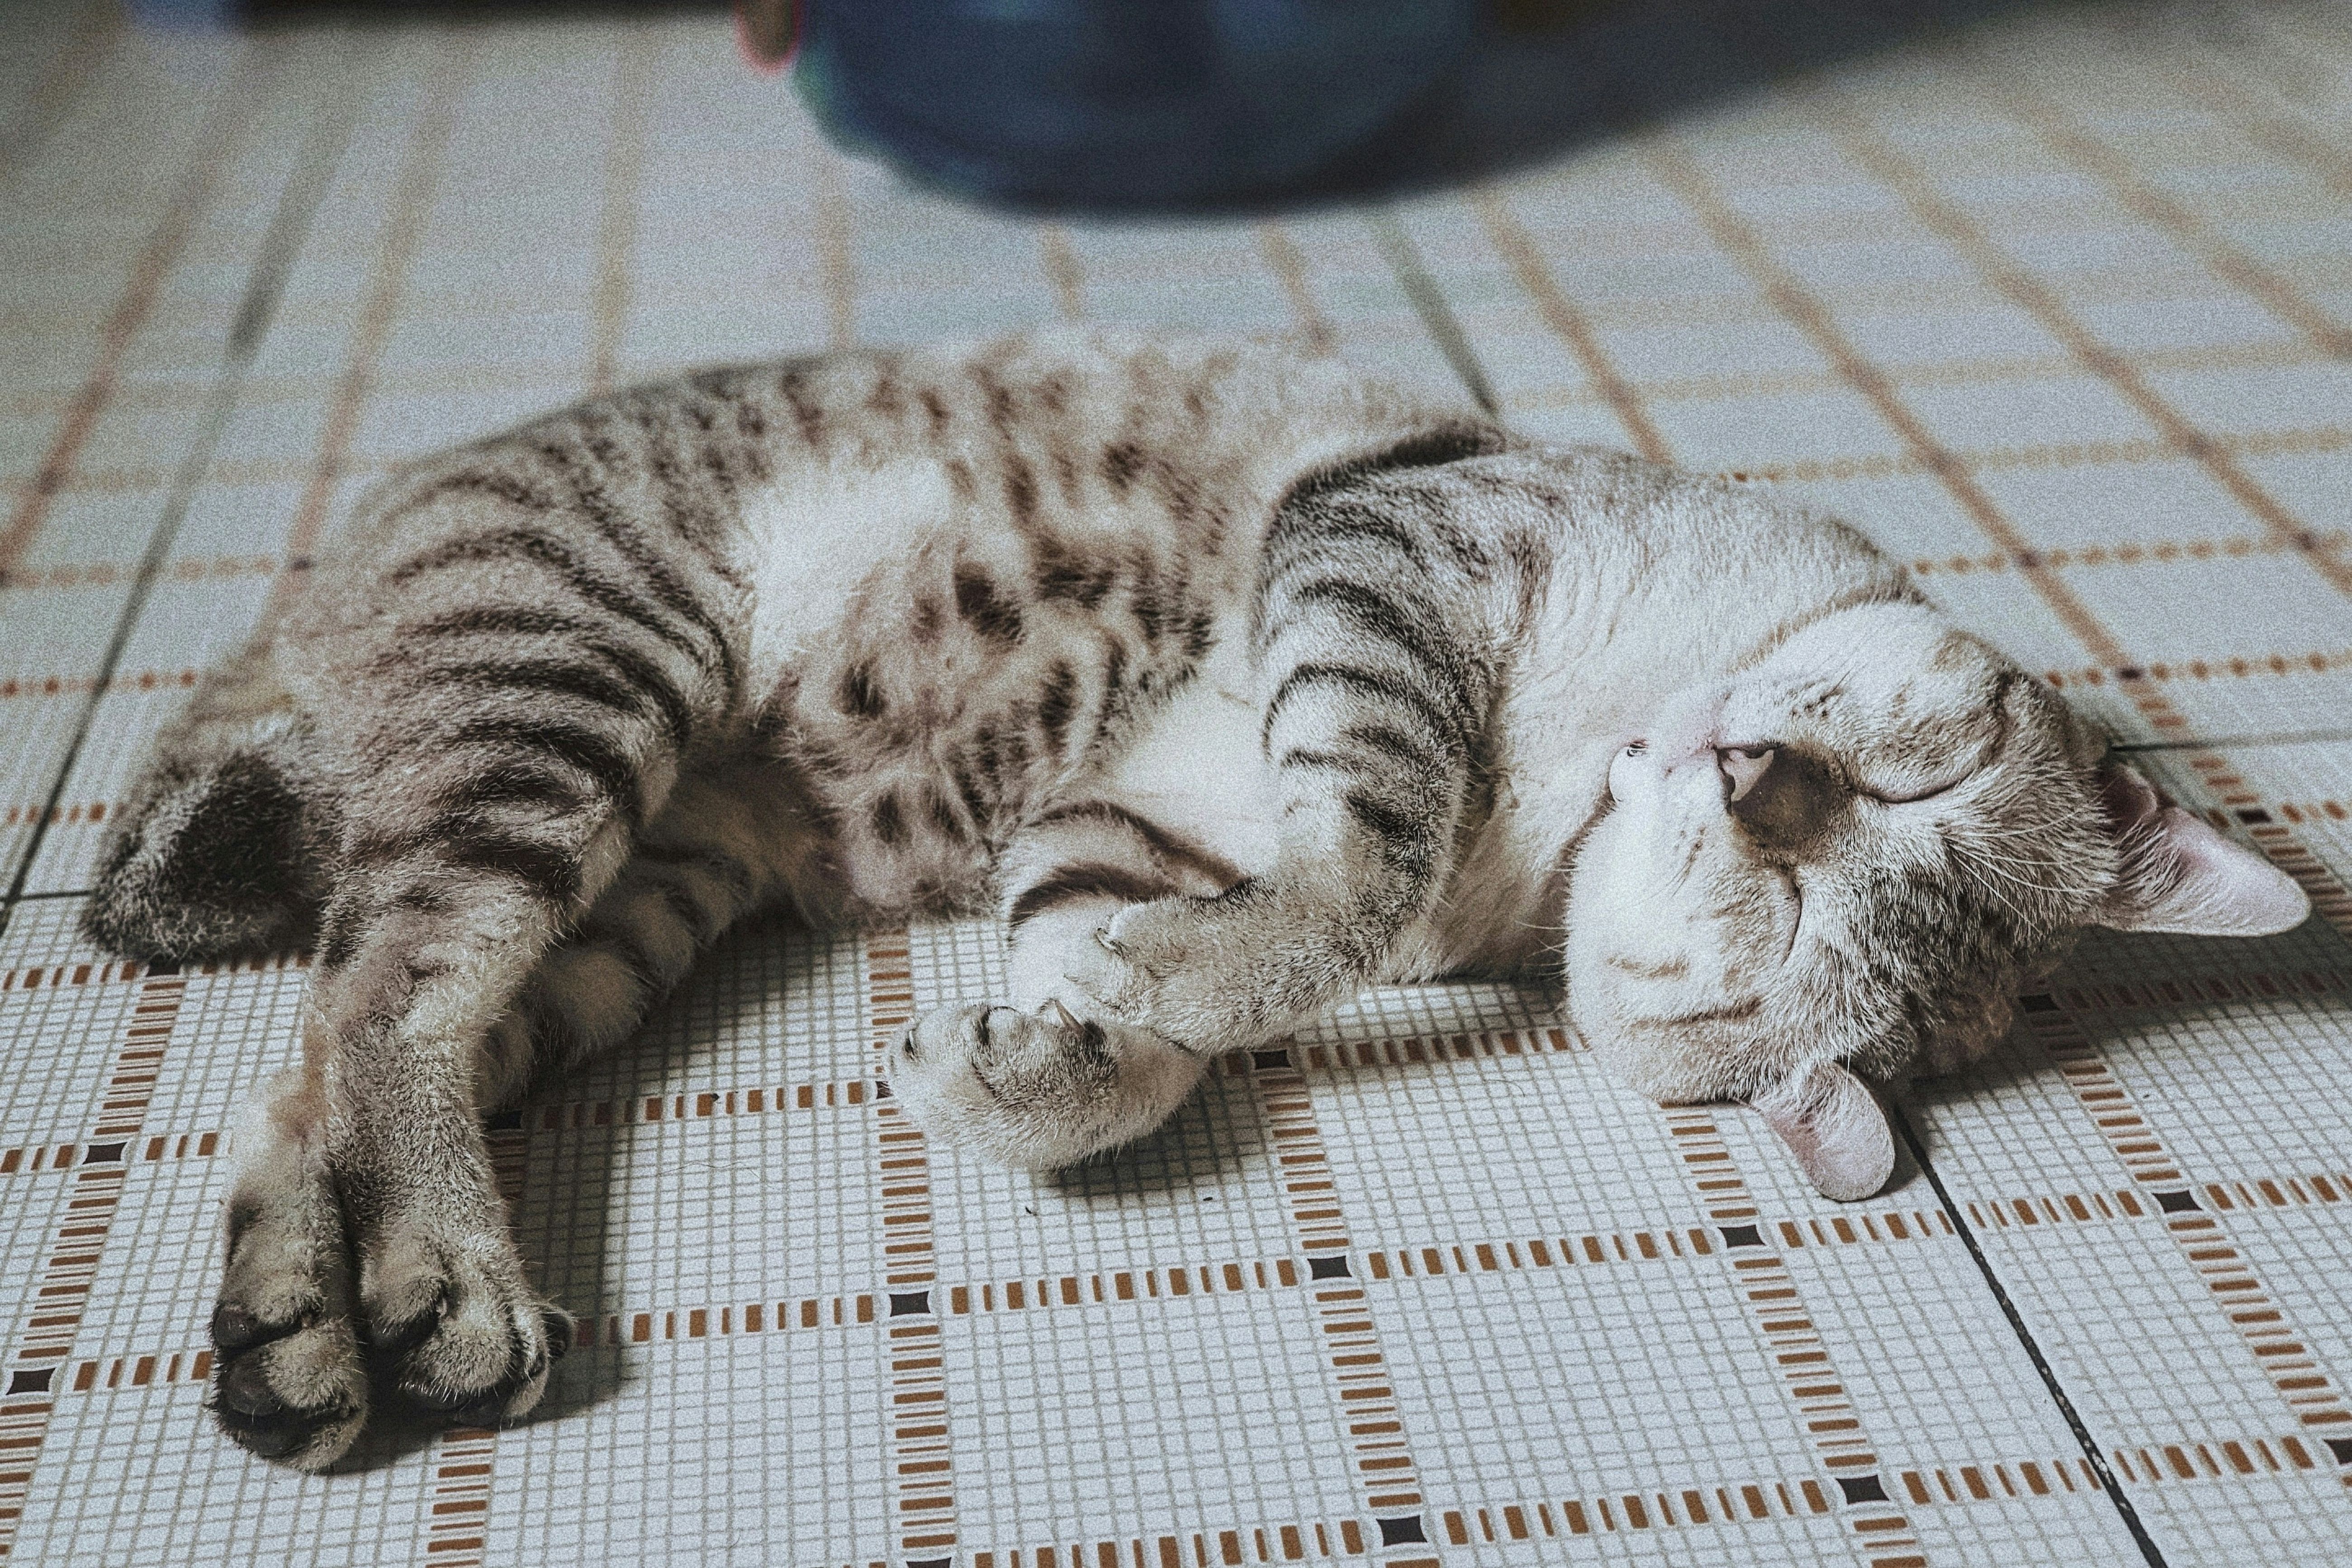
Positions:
(810, 539)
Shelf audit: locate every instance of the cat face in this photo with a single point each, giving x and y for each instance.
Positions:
(1846, 858)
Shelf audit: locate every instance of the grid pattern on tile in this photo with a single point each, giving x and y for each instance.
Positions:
(2057, 310)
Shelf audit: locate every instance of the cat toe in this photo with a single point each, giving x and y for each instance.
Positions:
(289, 1373)
(299, 1397)
(464, 1335)
(1036, 1090)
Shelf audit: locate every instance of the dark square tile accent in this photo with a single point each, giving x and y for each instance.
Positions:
(910, 1301)
(1400, 1531)
(103, 1155)
(29, 1380)
(928, 1562)
(2341, 1447)
(2176, 1203)
(161, 966)
(1271, 1058)
(504, 1121)
(1334, 1266)
(1741, 1236)
(2037, 1003)
(1862, 1489)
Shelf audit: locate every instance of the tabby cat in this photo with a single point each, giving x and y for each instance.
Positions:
(1231, 681)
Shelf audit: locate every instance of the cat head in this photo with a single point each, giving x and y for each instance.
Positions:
(1843, 860)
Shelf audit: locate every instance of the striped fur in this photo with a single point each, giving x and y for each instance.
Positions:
(1235, 682)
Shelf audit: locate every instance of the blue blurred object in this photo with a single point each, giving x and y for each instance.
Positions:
(1123, 103)
(183, 16)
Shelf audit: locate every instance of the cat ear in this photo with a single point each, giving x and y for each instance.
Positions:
(1836, 1128)
(2180, 876)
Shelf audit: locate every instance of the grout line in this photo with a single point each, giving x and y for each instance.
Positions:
(396, 242)
(2292, 1368)
(616, 226)
(228, 123)
(1386, 1477)
(2067, 137)
(1992, 370)
(44, 1341)
(2298, 441)
(1942, 216)
(1571, 325)
(2226, 98)
(918, 1439)
(1801, 1357)
(290, 223)
(1314, 332)
(94, 34)
(1429, 303)
(2032, 1347)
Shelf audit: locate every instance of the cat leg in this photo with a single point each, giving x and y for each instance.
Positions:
(731, 839)
(1376, 646)
(365, 1225)
(1048, 1079)
(436, 1278)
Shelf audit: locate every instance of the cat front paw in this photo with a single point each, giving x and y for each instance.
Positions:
(289, 1373)
(1036, 1090)
(1178, 970)
(445, 1301)
(438, 1309)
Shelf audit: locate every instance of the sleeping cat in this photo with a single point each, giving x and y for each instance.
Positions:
(1233, 681)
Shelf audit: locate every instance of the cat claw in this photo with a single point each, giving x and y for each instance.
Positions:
(1103, 940)
(1069, 1020)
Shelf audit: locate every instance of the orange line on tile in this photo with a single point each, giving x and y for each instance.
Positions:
(1880, 156)
(1799, 1354)
(103, 972)
(1676, 169)
(2214, 1459)
(1314, 332)
(2062, 133)
(1991, 370)
(1063, 270)
(1399, 1052)
(1669, 1506)
(95, 30)
(836, 246)
(2226, 98)
(2163, 551)
(2330, 900)
(617, 224)
(398, 240)
(922, 1463)
(2308, 1391)
(1210, 1546)
(2136, 678)
(214, 147)
(44, 1340)
(1386, 1478)
(154, 1149)
(2140, 683)
(1570, 325)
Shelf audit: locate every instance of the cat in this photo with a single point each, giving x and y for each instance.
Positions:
(1232, 680)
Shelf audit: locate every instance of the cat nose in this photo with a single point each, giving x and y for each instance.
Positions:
(1742, 767)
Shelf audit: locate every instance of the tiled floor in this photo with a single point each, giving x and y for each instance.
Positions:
(2061, 312)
